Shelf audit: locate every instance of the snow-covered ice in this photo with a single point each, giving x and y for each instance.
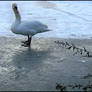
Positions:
(67, 19)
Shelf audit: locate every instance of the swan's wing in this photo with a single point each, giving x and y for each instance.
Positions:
(34, 25)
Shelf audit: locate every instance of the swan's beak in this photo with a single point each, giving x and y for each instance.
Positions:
(14, 5)
(15, 8)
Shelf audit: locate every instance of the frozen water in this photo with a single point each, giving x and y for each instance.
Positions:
(67, 19)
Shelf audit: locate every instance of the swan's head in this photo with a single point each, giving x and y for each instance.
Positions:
(15, 8)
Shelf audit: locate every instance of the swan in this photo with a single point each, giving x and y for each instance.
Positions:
(27, 28)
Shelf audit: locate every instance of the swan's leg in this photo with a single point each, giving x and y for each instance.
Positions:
(25, 41)
(30, 40)
(28, 43)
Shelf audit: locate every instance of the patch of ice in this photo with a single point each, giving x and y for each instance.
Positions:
(83, 61)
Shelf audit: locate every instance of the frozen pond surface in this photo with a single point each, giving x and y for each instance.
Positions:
(42, 66)
(66, 19)
(45, 64)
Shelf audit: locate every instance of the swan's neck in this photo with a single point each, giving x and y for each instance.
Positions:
(18, 17)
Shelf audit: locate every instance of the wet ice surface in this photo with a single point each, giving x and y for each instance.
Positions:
(41, 67)
(67, 19)
(45, 64)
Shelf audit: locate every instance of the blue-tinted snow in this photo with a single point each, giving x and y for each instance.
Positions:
(67, 19)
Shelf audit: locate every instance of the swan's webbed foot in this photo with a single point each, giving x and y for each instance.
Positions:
(27, 44)
(24, 42)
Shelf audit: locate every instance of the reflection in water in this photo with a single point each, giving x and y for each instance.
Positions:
(28, 60)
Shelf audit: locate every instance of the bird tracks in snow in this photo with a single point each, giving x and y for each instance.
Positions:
(70, 46)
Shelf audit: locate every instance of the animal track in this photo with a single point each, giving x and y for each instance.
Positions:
(75, 49)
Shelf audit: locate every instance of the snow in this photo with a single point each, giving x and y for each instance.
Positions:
(67, 19)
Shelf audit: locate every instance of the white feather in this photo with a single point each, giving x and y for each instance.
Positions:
(29, 28)
(25, 27)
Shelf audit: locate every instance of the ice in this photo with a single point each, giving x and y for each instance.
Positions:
(67, 19)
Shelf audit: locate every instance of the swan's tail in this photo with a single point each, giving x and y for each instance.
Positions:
(47, 30)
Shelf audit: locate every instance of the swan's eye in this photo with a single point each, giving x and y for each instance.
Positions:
(15, 7)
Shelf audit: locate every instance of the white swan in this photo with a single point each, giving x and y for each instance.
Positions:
(25, 27)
